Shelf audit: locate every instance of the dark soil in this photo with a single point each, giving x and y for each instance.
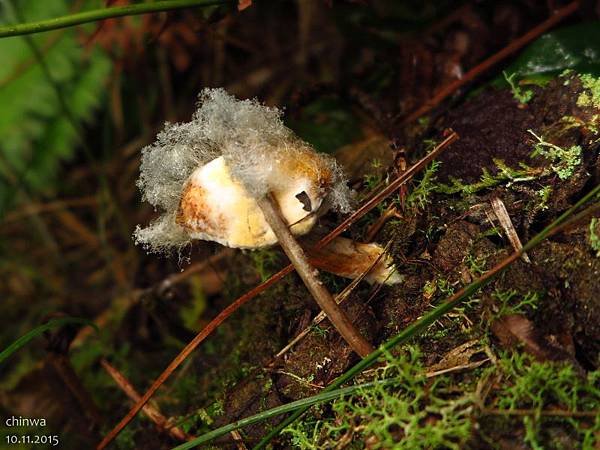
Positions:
(564, 271)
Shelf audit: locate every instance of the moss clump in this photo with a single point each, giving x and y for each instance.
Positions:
(564, 161)
(504, 174)
(419, 197)
(540, 387)
(511, 302)
(591, 96)
(544, 195)
(407, 414)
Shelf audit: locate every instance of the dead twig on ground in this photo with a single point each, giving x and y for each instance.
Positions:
(161, 422)
(340, 298)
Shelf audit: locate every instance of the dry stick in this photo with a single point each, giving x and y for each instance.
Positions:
(214, 324)
(511, 48)
(533, 412)
(309, 275)
(339, 299)
(153, 414)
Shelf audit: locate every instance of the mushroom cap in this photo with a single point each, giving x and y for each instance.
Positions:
(216, 207)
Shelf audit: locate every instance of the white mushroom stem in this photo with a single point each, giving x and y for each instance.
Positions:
(309, 275)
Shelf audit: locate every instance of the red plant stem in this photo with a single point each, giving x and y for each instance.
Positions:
(151, 412)
(220, 318)
(511, 48)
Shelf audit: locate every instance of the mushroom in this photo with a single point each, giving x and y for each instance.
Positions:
(237, 176)
(216, 207)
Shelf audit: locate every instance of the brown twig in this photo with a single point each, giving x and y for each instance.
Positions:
(457, 368)
(390, 212)
(214, 324)
(340, 298)
(309, 276)
(511, 48)
(153, 413)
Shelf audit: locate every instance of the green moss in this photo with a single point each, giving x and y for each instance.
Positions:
(322, 332)
(440, 286)
(564, 162)
(419, 197)
(372, 180)
(521, 95)
(201, 419)
(413, 411)
(511, 302)
(539, 386)
(544, 195)
(476, 264)
(591, 96)
(504, 174)
(409, 413)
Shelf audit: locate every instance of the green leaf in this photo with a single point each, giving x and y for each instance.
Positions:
(36, 134)
(575, 47)
(54, 323)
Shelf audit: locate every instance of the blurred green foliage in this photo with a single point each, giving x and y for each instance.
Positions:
(575, 47)
(327, 124)
(37, 133)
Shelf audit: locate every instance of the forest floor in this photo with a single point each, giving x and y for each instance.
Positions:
(525, 342)
(515, 366)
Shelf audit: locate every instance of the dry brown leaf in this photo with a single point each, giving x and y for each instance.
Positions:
(515, 329)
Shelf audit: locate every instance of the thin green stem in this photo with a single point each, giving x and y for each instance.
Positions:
(101, 14)
(429, 318)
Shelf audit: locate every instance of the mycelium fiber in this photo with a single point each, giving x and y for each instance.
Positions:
(255, 145)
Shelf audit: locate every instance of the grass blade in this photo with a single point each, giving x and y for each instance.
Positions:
(288, 407)
(54, 323)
